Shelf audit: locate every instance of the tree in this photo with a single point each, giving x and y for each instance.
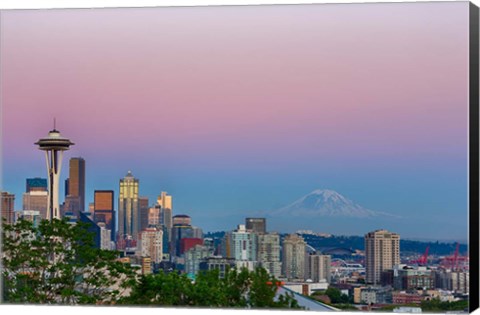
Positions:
(56, 263)
(239, 289)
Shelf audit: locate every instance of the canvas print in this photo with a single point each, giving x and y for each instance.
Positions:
(308, 157)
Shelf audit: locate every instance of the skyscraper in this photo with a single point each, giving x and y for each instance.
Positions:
(256, 225)
(36, 184)
(382, 252)
(143, 212)
(128, 223)
(293, 261)
(53, 145)
(76, 185)
(7, 206)
(104, 210)
(165, 202)
(269, 253)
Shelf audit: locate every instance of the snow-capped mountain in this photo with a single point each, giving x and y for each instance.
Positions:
(326, 203)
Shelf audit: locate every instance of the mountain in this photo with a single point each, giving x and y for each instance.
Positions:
(325, 202)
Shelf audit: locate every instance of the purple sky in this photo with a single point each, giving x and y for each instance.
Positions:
(236, 109)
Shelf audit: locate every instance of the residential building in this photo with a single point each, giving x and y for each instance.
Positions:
(151, 242)
(293, 257)
(382, 252)
(269, 253)
(318, 267)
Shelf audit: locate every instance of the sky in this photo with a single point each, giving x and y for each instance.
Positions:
(237, 111)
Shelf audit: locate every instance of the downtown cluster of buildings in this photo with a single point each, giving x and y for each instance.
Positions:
(147, 233)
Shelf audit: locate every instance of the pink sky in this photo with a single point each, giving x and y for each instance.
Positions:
(240, 87)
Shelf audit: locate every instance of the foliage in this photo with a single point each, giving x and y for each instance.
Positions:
(56, 263)
(252, 289)
(336, 296)
(435, 305)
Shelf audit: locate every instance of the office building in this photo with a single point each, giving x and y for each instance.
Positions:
(382, 252)
(256, 225)
(293, 257)
(179, 232)
(36, 200)
(103, 210)
(128, 219)
(36, 184)
(165, 202)
(143, 210)
(318, 267)
(75, 188)
(8, 207)
(189, 242)
(53, 145)
(269, 253)
(182, 219)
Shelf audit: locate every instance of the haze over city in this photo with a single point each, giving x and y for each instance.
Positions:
(235, 115)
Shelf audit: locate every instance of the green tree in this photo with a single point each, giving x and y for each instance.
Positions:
(336, 296)
(239, 289)
(56, 263)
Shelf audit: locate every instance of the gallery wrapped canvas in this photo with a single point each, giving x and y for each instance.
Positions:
(317, 157)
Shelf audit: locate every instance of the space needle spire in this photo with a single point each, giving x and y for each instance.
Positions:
(53, 145)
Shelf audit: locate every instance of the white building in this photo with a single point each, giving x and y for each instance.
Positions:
(151, 244)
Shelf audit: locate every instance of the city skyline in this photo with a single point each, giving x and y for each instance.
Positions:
(227, 138)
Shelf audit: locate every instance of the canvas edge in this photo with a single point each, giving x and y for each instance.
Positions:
(474, 156)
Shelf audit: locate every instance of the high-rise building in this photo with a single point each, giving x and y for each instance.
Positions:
(128, 223)
(103, 210)
(36, 184)
(143, 209)
(36, 200)
(269, 253)
(318, 267)
(154, 216)
(182, 219)
(256, 225)
(194, 256)
(293, 258)
(105, 236)
(382, 252)
(76, 184)
(54, 145)
(165, 202)
(8, 207)
(241, 244)
(179, 232)
(151, 241)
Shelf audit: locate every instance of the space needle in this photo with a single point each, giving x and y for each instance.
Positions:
(53, 145)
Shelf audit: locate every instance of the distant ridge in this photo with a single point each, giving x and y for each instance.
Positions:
(327, 203)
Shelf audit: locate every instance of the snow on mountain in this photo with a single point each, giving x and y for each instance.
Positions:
(325, 202)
